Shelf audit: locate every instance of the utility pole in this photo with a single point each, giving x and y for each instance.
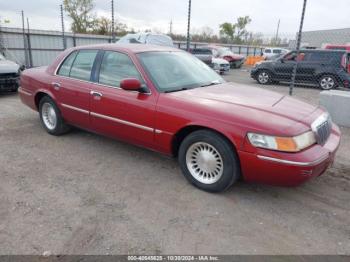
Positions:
(278, 30)
(188, 26)
(171, 27)
(24, 42)
(292, 84)
(113, 32)
(63, 32)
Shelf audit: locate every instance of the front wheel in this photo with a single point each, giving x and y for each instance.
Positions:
(327, 82)
(50, 117)
(209, 161)
(264, 77)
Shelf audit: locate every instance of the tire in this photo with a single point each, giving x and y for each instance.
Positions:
(264, 77)
(51, 118)
(327, 82)
(208, 161)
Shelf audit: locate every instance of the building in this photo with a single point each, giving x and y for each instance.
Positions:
(318, 39)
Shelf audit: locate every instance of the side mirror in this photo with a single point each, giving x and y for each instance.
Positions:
(130, 84)
(22, 67)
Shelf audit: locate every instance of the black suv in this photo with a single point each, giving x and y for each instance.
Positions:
(326, 68)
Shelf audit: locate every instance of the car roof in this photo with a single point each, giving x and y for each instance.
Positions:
(322, 50)
(131, 48)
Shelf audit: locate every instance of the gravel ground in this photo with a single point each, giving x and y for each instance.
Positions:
(87, 194)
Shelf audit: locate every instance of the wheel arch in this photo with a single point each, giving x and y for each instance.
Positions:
(39, 95)
(181, 134)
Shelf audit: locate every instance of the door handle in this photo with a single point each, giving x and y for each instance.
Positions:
(97, 94)
(56, 85)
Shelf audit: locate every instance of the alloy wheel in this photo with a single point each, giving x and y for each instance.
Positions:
(204, 163)
(49, 116)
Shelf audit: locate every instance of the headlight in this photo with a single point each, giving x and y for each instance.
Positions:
(286, 144)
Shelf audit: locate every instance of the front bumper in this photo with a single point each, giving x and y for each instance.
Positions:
(286, 169)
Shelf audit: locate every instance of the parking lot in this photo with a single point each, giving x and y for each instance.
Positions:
(86, 194)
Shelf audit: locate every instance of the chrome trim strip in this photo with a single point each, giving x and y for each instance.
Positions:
(287, 162)
(117, 120)
(24, 92)
(75, 109)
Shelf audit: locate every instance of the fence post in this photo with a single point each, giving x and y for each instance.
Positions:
(24, 42)
(74, 40)
(63, 32)
(239, 50)
(295, 68)
(247, 50)
(29, 46)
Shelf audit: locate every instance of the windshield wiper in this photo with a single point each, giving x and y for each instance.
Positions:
(176, 90)
(212, 83)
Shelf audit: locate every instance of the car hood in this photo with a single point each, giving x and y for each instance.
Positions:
(220, 61)
(7, 66)
(251, 106)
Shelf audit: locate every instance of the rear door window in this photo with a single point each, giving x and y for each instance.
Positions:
(67, 65)
(268, 51)
(82, 65)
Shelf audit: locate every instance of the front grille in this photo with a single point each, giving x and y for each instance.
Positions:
(9, 75)
(323, 129)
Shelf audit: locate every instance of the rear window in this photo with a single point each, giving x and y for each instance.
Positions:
(201, 52)
(268, 51)
(325, 57)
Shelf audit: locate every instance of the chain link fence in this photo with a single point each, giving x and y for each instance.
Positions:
(318, 59)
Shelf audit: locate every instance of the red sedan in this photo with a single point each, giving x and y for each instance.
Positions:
(169, 101)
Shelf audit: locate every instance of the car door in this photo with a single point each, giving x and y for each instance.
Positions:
(119, 113)
(283, 68)
(72, 85)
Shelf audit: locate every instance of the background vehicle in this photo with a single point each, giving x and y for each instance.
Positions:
(338, 47)
(326, 68)
(220, 65)
(203, 54)
(236, 61)
(273, 53)
(9, 75)
(147, 38)
(166, 100)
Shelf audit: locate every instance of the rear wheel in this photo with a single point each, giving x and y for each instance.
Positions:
(264, 77)
(328, 82)
(50, 117)
(208, 161)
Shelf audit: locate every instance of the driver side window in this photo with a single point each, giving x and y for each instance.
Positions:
(115, 67)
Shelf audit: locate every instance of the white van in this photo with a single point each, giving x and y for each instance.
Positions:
(274, 52)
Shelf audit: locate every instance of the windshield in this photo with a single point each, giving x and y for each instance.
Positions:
(225, 51)
(175, 71)
(1, 57)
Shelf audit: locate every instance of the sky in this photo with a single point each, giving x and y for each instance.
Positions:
(156, 14)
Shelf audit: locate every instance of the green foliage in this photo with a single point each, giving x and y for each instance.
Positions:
(80, 11)
(235, 32)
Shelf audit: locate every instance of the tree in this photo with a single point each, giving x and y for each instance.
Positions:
(235, 31)
(80, 11)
